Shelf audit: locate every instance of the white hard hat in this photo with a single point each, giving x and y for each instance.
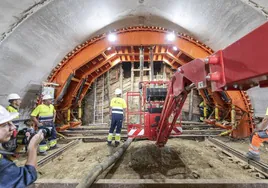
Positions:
(47, 97)
(6, 116)
(13, 96)
(118, 91)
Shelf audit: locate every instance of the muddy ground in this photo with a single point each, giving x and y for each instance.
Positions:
(179, 159)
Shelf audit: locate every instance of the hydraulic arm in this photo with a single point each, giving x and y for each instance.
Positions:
(240, 66)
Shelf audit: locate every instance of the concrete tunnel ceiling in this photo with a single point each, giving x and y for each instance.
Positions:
(36, 35)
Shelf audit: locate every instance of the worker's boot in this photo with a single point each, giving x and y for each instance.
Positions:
(54, 147)
(253, 156)
(109, 143)
(43, 153)
(116, 143)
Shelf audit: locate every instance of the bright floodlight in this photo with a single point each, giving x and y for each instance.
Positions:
(175, 48)
(112, 37)
(171, 36)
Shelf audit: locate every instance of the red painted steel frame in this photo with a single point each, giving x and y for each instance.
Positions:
(243, 64)
(239, 66)
(175, 99)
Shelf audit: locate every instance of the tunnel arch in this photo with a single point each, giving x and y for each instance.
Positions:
(89, 60)
(86, 57)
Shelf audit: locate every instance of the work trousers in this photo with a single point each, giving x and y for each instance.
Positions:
(116, 123)
(50, 142)
(256, 139)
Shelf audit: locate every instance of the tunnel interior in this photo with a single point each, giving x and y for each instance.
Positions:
(82, 51)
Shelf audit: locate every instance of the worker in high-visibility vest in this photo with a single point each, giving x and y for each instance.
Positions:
(257, 138)
(43, 116)
(14, 104)
(117, 106)
(13, 107)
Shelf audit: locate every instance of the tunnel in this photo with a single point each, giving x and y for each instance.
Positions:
(39, 36)
(69, 46)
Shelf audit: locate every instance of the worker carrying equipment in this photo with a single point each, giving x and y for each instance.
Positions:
(13, 107)
(117, 106)
(43, 116)
(257, 138)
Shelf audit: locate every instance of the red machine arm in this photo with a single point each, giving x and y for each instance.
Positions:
(240, 66)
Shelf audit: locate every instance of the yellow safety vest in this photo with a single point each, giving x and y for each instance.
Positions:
(118, 104)
(12, 109)
(45, 113)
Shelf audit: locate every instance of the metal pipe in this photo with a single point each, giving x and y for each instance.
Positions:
(79, 112)
(141, 63)
(217, 112)
(69, 115)
(152, 62)
(141, 78)
(233, 116)
(98, 169)
(191, 105)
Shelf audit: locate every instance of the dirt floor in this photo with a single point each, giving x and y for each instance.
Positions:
(76, 162)
(22, 159)
(180, 159)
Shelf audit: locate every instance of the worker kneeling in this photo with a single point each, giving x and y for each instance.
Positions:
(10, 174)
(43, 116)
(257, 138)
(117, 106)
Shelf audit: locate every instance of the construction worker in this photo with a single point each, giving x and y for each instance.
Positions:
(43, 116)
(257, 138)
(14, 104)
(204, 114)
(10, 174)
(201, 111)
(117, 106)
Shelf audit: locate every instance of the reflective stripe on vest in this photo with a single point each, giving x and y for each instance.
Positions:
(117, 110)
(46, 118)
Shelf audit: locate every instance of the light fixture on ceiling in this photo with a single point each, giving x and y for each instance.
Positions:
(109, 48)
(171, 36)
(175, 48)
(112, 37)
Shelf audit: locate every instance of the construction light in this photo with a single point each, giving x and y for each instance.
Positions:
(175, 48)
(171, 36)
(112, 37)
